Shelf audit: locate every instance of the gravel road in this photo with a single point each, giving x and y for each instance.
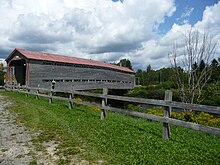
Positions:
(16, 147)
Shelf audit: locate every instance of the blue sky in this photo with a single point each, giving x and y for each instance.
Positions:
(182, 6)
(196, 7)
(142, 31)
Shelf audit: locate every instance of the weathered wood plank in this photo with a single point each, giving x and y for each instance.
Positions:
(39, 72)
(198, 127)
(104, 103)
(89, 94)
(196, 107)
(70, 103)
(167, 114)
(136, 114)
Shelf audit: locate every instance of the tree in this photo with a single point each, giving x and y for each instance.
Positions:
(1, 78)
(165, 75)
(214, 63)
(149, 68)
(139, 76)
(139, 71)
(202, 65)
(198, 49)
(215, 71)
(125, 63)
(149, 75)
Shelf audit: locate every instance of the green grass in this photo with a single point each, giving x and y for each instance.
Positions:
(119, 139)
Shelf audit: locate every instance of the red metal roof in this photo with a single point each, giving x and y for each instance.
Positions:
(67, 59)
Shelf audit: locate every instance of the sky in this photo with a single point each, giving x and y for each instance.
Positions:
(143, 31)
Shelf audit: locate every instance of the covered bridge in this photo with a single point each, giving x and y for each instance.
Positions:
(28, 68)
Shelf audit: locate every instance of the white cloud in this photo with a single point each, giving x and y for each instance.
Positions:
(98, 29)
(210, 24)
(211, 21)
(155, 51)
(183, 19)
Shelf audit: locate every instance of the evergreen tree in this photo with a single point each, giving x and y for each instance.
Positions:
(215, 71)
(195, 66)
(125, 63)
(202, 65)
(214, 63)
(149, 68)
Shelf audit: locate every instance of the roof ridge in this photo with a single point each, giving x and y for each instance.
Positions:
(67, 59)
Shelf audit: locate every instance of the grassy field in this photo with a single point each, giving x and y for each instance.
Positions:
(117, 140)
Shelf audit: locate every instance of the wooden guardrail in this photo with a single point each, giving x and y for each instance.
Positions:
(167, 103)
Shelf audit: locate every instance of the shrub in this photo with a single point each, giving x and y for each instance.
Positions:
(199, 118)
(2, 78)
(146, 92)
(214, 101)
(166, 85)
(158, 111)
(185, 116)
(94, 109)
(135, 108)
(139, 92)
(78, 99)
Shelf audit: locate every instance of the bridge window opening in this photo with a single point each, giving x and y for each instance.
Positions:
(86, 80)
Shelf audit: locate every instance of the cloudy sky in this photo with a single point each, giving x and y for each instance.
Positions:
(142, 31)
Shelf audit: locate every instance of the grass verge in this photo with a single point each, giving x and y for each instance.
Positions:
(117, 140)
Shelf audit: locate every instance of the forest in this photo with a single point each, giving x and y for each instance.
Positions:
(153, 83)
(193, 75)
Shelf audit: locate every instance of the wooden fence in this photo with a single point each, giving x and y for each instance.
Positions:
(167, 103)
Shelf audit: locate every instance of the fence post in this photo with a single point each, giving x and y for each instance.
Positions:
(104, 103)
(70, 103)
(167, 113)
(18, 90)
(12, 88)
(38, 90)
(51, 91)
(71, 96)
(26, 91)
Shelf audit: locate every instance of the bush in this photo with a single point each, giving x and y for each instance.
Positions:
(94, 109)
(139, 92)
(199, 118)
(166, 85)
(135, 108)
(210, 94)
(156, 94)
(146, 92)
(214, 101)
(1, 78)
(158, 111)
(185, 116)
(151, 92)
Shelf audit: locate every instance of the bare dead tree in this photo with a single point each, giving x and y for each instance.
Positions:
(191, 80)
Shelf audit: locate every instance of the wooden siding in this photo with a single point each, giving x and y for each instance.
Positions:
(81, 77)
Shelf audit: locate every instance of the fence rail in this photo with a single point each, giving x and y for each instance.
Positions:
(168, 104)
(173, 104)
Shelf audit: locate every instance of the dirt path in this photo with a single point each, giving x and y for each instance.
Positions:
(16, 147)
(14, 141)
